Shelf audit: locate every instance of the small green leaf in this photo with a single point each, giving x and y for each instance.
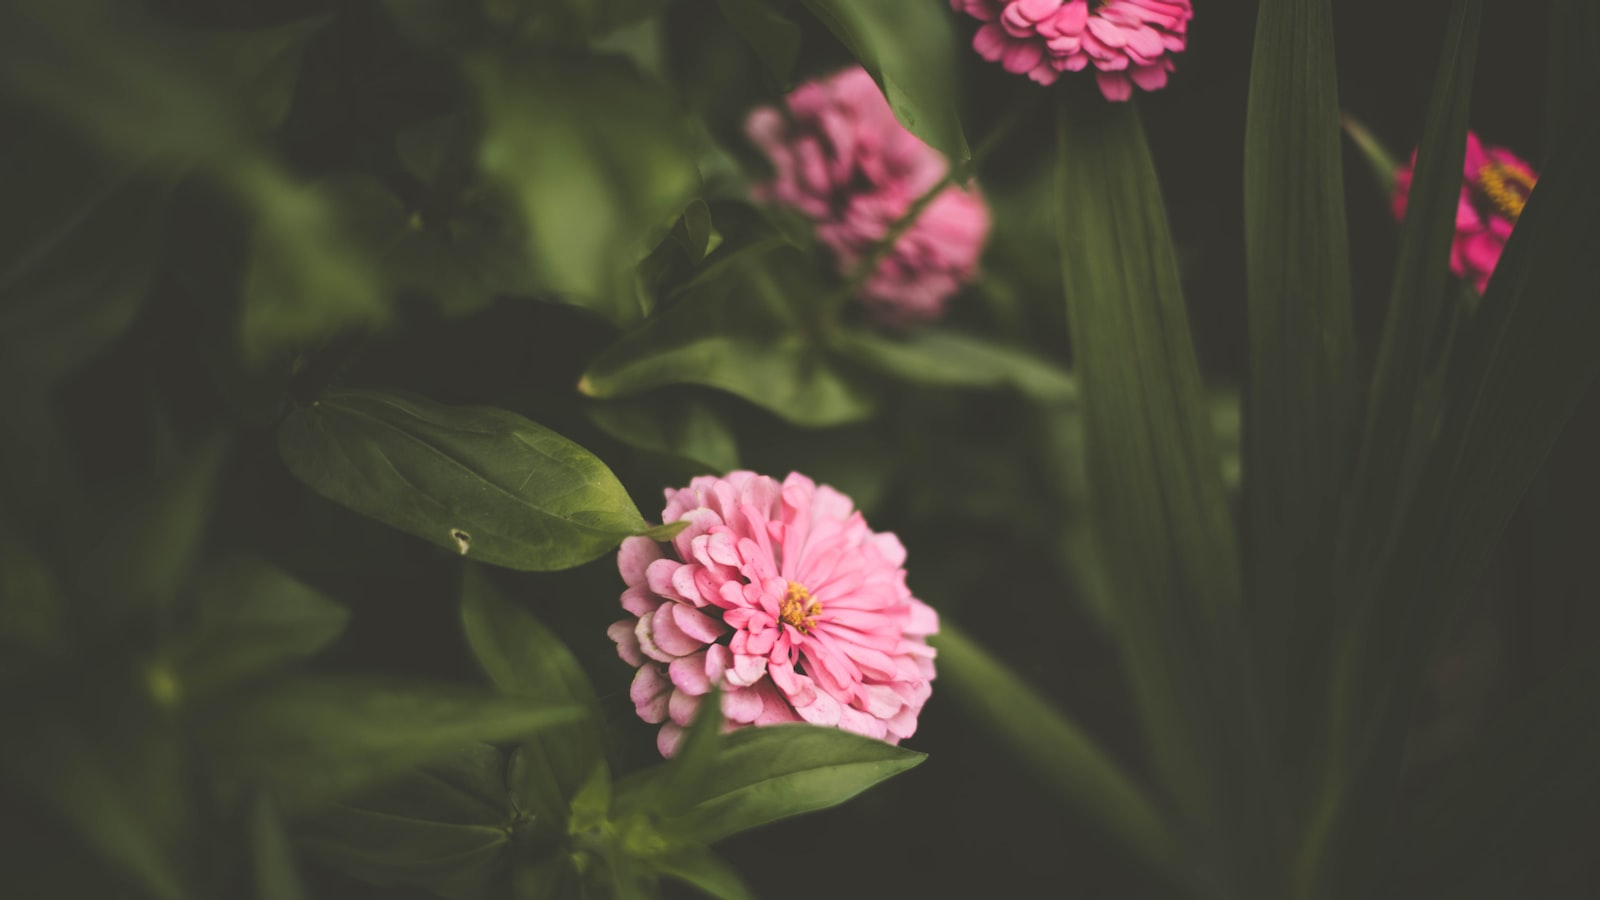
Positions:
(773, 36)
(685, 428)
(480, 482)
(912, 55)
(770, 773)
(704, 870)
(597, 190)
(525, 659)
(444, 827)
(277, 876)
(943, 358)
(145, 555)
(316, 739)
(1380, 161)
(251, 617)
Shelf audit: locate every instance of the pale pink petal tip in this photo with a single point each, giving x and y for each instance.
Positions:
(812, 619)
(1129, 43)
(842, 159)
(1495, 185)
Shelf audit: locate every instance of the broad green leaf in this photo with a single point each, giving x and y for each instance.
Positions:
(1157, 494)
(481, 482)
(1301, 397)
(682, 427)
(313, 270)
(444, 827)
(251, 617)
(774, 772)
(773, 36)
(68, 772)
(911, 52)
(707, 872)
(142, 559)
(1529, 787)
(525, 659)
(1054, 750)
(316, 739)
(277, 876)
(599, 159)
(944, 358)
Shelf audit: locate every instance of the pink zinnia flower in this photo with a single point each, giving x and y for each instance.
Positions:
(1129, 42)
(781, 596)
(1495, 186)
(842, 159)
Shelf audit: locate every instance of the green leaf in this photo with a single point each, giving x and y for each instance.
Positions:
(912, 54)
(277, 876)
(600, 160)
(1418, 316)
(251, 618)
(1054, 750)
(313, 270)
(525, 659)
(682, 427)
(81, 247)
(701, 869)
(1157, 493)
(144, 556)
(741, 334)
(547, 879)
(773, 772)
(316, 739)
(1301, 397)
(1573, 72)
(942, 358)
(773, 36)
(444, 827)
(1526, 789)
(33, 620)
(66, 770)
(478, 481)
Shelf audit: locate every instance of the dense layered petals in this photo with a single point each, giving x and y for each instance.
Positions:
(779, 595)
(1128, 43)
(1495, 184)
(840, 158)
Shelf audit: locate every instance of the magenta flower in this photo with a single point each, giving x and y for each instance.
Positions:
(842, 159)
(1130, 42)
(781, 596)
(1495, 185)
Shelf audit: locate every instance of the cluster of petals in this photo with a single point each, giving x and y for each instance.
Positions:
(1495, 185)
(782, 597)
(840, 158)
(1128, 42)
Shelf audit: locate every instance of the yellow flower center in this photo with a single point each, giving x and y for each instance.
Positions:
(798, 609)
(1507, 187)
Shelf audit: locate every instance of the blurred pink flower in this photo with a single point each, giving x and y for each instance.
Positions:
(782, 597)
(1495, 185)
(842, 159)
(1129, 42)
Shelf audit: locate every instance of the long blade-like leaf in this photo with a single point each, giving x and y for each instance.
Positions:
(1302, 349)
(1050, 745)
(1157, 491)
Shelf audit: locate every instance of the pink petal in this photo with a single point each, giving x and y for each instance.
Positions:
(669, 635)
(1115, 86)
(649, 694)
(682, 706)
(689, 674)
(627, 641)
(696, 624)
(668, 739)
(635, 554)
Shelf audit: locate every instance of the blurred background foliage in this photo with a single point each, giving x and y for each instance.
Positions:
(241, 237)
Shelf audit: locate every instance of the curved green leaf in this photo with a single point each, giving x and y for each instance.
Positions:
(685, 428)
(944, 358)
(773, 36)
(765, 774)
(485, 483)
(444, 827)
(910, 49)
